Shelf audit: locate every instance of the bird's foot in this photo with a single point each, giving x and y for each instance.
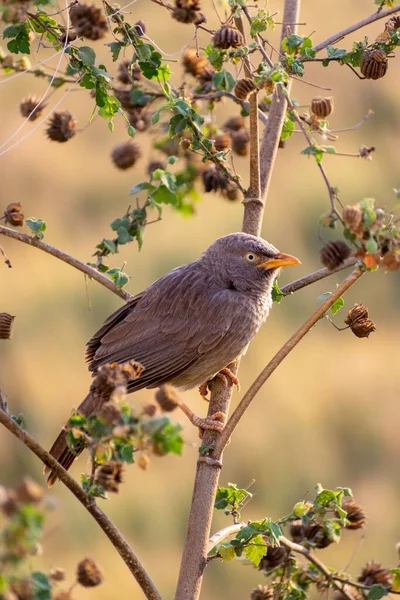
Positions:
(203, 389)
(214, 422)
(227, 373)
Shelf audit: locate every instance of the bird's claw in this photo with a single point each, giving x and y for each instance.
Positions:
(227, 373)
(214, 422)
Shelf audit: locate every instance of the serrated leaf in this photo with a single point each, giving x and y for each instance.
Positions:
(227, 552)
(338, 305)
(256, 550)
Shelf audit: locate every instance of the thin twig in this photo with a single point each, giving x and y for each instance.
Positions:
(278, 358)
(70, 260)
(113, 534)
(298, 284)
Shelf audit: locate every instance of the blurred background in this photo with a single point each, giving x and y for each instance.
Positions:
(330, 413)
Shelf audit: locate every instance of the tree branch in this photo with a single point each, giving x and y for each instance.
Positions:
(298, 284)
(363, 23)
(113, 534)
(278, 358)
(70, 260)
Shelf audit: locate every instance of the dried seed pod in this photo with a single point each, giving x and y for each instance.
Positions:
(262, 592)
(23, 588)
(167, 398)
(128, 72)
(244, 88)
(393, 23)
(213, 179)
(61, 127)
(6, 322)
(194, 64)
(391, 259)
(187, 11)
(228, 37)
(31, 108)
(234, 123)
(334, 253)
(29, 492)
(143, 462)
(57, 574)
(222, 142)
(153, 165)
(68, 36)
(8, 504)
(13, 215)
(109, 476)
(316, 535)
(88, 573)
(125, 155)
(355, 513)
(110, 413)
(241, 142)
(383, 37)
(363, 328)
(139, 120)
(358, 312)
(274, 557)
(358, 321)
(88, 21)
(232, 192)
(150, 409)
(374, 573)
(365, 152)
(352, 216)
(374, 64)
(322, 107)
(297, 531)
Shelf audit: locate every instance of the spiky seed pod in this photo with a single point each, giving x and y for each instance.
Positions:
(222, 142)
(391, 259)
(29, 492)
(316, 535)
(109, 476)
(355, 513)
(322, 107)
(352, 216)
(244, 88)
(153, 165)
(57, 574)
(139, 120)
(187, 11)
(262, 592)
(89, 573)
(228, 37)
(359, 322)
(297, 531)
(128, 72)
(194, 64)
(393, 24)
(234, 123)
(13, 215)
(374, 64)
(140, 27)
(6, 322)
(358, 312)
(167, 398)
(274, 557)
(31, 108)
(110, 413)
(88, 21)
(150, 409)
(334, 253)
(241, 142)
(61, 127)
(374, 573)
(213, 179)
(143, 462)
(125, 155)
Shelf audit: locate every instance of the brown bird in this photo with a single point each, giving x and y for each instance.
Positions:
(189, 324)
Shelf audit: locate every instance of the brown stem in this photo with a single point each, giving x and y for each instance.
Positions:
(70, 260)
(278, 358)
(298, 284)
(113, 534)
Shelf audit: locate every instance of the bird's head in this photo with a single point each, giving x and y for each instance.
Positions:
(246, 262)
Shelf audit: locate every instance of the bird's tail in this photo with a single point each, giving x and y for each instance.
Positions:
(60, 449)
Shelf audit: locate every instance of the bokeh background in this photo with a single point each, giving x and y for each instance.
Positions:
(330, 413)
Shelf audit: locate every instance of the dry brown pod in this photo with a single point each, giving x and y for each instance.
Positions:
(31, 108)
(334, 253)
(391, 259)
(374, 64)
(167, 398)
(234, 123)
(359, 322)
(352, 216)
(88, 21)
(193, 63)
(356, 516)
(109, 476)
(6, 322)
(214, 179)
(228, 37)
(322, 107)
(89, 573)
(61, 127)
(244, 88)
(125, 155)
(262, 592)
(13, 215)
(128, 72)
(222, 142)
(241, 142)
(373, 573)
(187, 11)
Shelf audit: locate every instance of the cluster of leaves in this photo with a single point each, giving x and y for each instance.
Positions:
(313, 524)
(22, 516)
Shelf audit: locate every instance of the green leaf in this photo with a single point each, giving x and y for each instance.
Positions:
(396, 581)
(37, 226)
(126, 453)
(87, 55)
(223, 80)
(377, 591)
(325, 497)
(256, 550)
(277, 295)
(301, 508)
(116, 48)
(371, 246)
(131, 131)
(163, 195)
(335, 53)
(215, 56)
(119, 278)
(338, 305)
(41, 586)
(143, 185)
(287, 129)
(227, 552)
(231, 496)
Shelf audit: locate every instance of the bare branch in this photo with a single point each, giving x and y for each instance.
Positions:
(278, 358)
(223, 534)
(298, 284)
(70, 260)
(113, 534)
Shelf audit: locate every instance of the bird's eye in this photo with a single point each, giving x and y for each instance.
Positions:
(250, 257)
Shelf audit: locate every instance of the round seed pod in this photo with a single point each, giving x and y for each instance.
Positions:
(109, 477)
(213, 179)
(374, 573)
(23, 588)
(128, 72)
(68, 36)
(244, 88)
(187, 11)
(322, 107)
(352, 216)
(262, 592)
(140, 120)
(222, 142)
(358, 321)
(88, 21)
(13, 215)
(393, 23)
(6, 322)
(31, 108)
(194, 64)
(61, 127)
(232, 192)
(88, 573)
(57, 574)
(274, 557)
(154, 165)
(125, 155)
(374, 64)
(167, 398)
(110, 413)
(228, 37)
(391, 259)
(150, 409)
(355, 513)
(234, 123)
(297, 531)
(240, 142)
(334, 253)
(316, 535)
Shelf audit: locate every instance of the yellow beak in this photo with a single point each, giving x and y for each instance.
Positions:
(279, 260)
